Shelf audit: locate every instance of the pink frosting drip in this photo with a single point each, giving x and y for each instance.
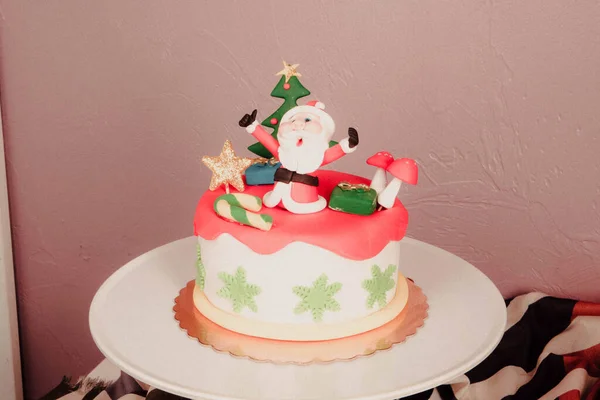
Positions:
(351, 236)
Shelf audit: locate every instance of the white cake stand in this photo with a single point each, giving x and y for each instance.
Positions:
(133, 325)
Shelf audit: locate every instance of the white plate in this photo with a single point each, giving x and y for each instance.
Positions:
(132, 323)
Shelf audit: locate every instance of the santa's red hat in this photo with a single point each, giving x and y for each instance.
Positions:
(316, 108)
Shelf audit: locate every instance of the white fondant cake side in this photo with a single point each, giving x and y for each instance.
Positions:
(304, 332)
(301, 284)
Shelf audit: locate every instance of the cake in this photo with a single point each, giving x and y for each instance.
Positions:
(290, 251)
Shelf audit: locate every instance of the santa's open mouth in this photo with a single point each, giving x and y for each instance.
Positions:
(299, 142)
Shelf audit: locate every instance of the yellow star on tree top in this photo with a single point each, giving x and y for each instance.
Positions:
(289, 70)
(227, 168)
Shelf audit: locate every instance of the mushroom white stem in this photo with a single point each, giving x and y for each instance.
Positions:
(388, 196)
(379, 180)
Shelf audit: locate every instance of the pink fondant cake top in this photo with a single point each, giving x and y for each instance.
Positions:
(352, 236)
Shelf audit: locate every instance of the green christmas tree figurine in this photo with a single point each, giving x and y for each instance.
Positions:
(290, 90)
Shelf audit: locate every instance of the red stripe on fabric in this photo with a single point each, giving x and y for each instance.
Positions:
(574, 394)
(585, 308)
(588, 359)
(594, 393)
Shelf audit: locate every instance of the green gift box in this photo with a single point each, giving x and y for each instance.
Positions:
(350, 198)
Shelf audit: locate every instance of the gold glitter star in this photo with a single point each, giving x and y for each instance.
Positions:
(289, 70)
(227, 168)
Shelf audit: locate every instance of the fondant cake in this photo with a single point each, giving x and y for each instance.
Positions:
(289, 251)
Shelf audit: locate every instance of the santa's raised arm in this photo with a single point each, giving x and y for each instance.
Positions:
(302, 146)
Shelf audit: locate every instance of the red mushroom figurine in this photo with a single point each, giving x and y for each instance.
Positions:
(403, 170)
(381, 160)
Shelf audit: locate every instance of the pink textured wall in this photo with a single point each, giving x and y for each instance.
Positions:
(109, 105)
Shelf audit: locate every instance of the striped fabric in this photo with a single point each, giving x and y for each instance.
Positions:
(550, 350)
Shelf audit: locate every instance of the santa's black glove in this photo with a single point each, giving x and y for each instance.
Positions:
(352, 137)
(247, 120)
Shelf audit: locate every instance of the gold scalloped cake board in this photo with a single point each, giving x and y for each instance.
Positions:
(287, 352)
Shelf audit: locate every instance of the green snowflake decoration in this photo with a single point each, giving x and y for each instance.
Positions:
(240, 292)
(200, 271)
(379, 284)
(318, 298)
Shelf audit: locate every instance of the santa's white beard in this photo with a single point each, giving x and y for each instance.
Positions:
(305, 158)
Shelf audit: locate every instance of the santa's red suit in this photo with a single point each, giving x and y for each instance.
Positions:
(295, 191)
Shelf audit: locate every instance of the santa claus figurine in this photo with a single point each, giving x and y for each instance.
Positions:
(302, 146)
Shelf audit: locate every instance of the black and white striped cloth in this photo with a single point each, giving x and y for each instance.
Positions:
(550, 350)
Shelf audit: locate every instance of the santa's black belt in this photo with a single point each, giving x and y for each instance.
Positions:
(287, 176)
